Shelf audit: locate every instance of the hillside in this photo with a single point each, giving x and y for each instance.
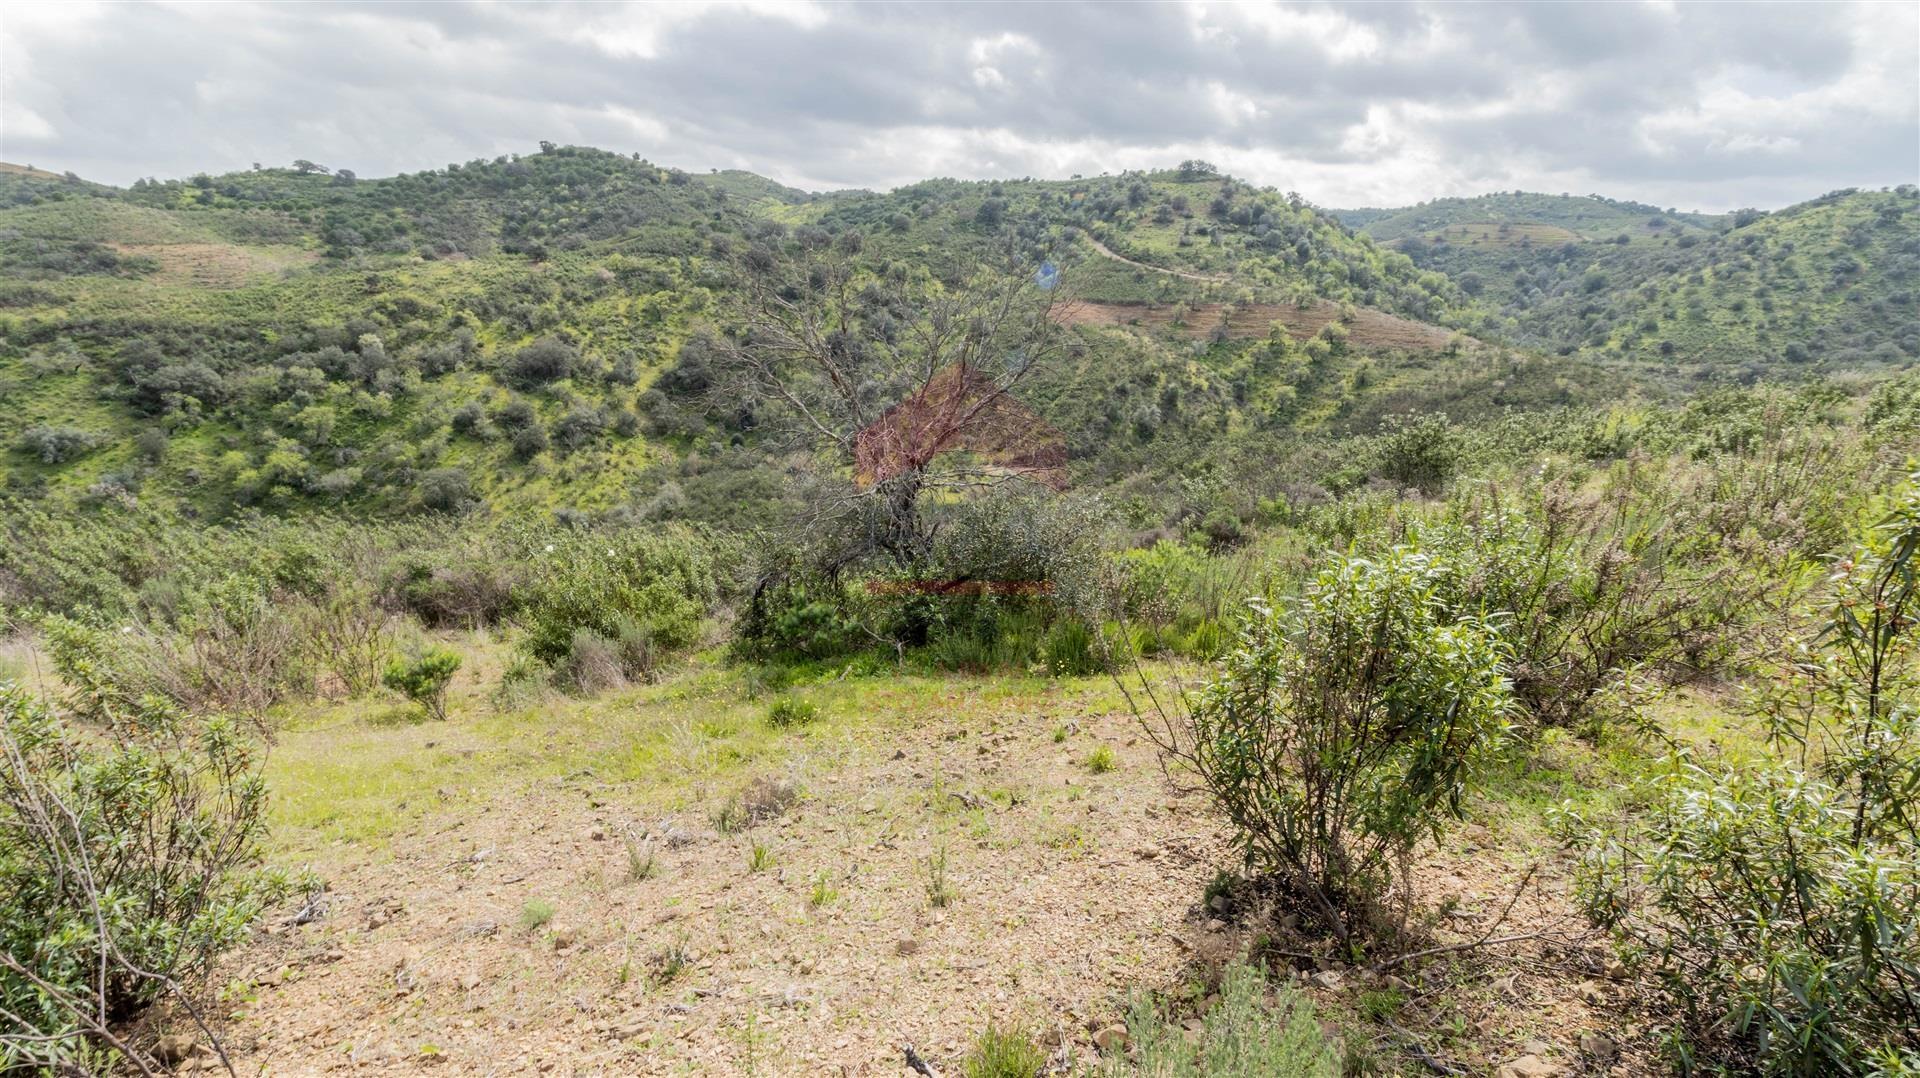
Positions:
(1519, 218)
(291, 340)
(513, 332)
(1828, 284)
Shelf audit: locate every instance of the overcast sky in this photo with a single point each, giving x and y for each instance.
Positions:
(1705, 106)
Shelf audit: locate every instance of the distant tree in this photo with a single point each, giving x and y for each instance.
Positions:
(446, 490)
(546, 360)
(305, 166)
(1196, 169)
(886, 374)
(344, 177)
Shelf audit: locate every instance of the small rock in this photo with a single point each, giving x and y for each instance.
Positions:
(899, 754)
(1598, 1046)
(1215, 924)
(1590, 992)
(378, 918)
(1529, 1066)
(1147, 853)
(597, 834)
(1617, 970)
(1219, 904)
(1111, 1039)
(563, 934)
(906, 945)
(174, 1049)
(469, 982)
(1327, 978)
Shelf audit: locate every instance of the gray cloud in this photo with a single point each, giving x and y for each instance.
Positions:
(1707, 106)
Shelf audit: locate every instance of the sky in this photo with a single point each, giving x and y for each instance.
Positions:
(1696, 106)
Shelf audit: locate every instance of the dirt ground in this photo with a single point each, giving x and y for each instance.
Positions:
(811, 942)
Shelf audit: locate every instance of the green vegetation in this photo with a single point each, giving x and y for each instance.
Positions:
(1567, 518)
(1826, 285)
(1247, 1032)
(424, 679)
(128, 864)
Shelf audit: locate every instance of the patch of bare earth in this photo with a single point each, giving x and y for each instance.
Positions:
(1067, 888)
(826, 951)
(1369, 329)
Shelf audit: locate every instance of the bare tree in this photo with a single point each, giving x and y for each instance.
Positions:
(903, 381)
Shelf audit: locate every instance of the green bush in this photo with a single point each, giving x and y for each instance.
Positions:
(645, 593)
(1246, 1033)
(1780, 902)
(1345, 728)
(424, 678)
(128, 865)
(1655, 569)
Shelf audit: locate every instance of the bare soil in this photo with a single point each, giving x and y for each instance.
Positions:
(1068, 889)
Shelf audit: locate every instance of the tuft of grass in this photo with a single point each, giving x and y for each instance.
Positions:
(1059, 735)
(535, 913)
(764, 799)
(1101, 760)
(823, 892)
(787, 712)
(642, 861)
(1247, 1032)
(669, 962)
(1004, 1053)
(940, 893)
(1381, 1004)
(760, 858)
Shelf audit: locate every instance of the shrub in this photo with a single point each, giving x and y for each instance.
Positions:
(235, 646)
(1419, 451)
(127, 867)
(548, 359)
(424, 678)
(591, 666)
(646, 593)
(446, 490)
(1597, 588)
(1780, 902)
(529, 441)
(350, 636)
(1345, 728)
(57, 445)
(1245, 1033)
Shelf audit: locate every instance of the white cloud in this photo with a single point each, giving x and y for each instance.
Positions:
(1678, 104)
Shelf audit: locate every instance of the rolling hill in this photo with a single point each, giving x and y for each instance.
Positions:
(514, 331)
(1828, 284)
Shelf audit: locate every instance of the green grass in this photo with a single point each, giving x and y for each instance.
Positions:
(366, 771)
